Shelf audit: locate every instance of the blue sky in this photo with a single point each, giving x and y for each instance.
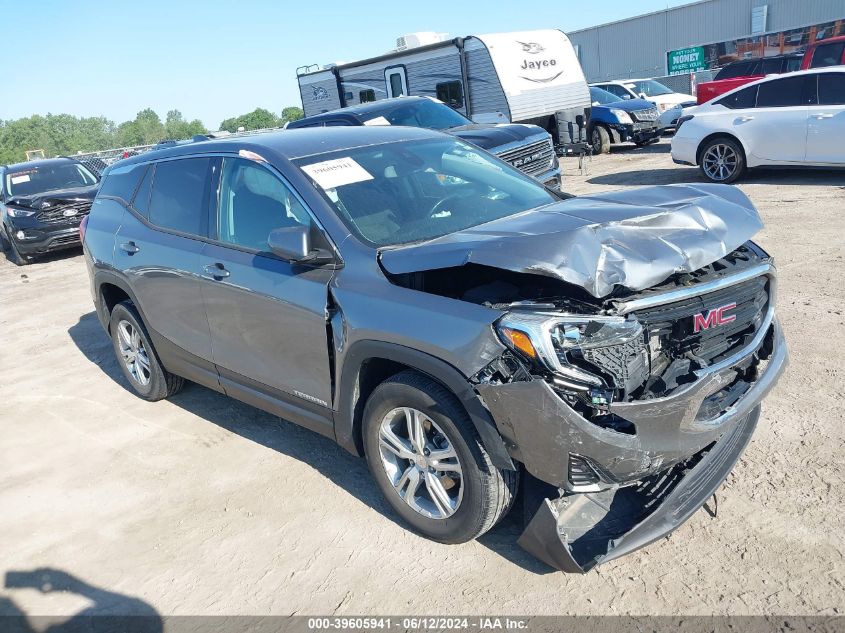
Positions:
(212, 60)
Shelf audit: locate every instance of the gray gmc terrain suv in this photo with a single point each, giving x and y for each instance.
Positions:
(472, 333)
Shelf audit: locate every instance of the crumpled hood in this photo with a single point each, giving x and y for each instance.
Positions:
(55, 198)
(628, 105)
(633, 238)
(491, 136)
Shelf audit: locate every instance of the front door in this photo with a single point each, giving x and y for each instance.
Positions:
(267, 316)
(396, 80)
(826, 122)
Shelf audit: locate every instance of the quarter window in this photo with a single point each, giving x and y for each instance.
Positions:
(253, 202)
(141, 202)
(122, 182)
(781, 93)
(740, 99)
(832, 89)
(178, 195)
(451, 93)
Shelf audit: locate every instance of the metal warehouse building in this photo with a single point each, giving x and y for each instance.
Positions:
(704, 35)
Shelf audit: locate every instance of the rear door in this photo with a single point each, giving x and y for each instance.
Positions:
(267, 316)
(826, 122)
(776, 129)
(158, 248)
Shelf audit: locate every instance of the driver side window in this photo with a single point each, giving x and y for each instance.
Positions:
(253, 202)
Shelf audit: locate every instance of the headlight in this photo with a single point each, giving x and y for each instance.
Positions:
(19, 213)
(663, 106)
(621, 115)
(554, 341)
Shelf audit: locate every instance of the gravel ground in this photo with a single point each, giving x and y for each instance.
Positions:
(203, 505)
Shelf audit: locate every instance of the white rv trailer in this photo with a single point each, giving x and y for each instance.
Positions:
(520, 77)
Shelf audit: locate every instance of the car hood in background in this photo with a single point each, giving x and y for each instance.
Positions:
(491, 136)
(634, 238)
(628, 105)
(59, 197)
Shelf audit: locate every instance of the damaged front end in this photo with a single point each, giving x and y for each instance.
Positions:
(634, 414)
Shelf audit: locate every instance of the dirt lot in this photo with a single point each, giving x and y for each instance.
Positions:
(203, 505)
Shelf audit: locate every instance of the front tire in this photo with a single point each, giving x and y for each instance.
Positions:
(429, 462)
(600, 140)
(136, 356)
(13, 254)
(722, 160)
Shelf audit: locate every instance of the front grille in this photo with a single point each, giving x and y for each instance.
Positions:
(671, 328)
(647, 114)
(533, 159)
(66, 239)
(67, 213)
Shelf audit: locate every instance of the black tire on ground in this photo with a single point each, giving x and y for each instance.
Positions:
(488, 492)
(12, 252)
(729, 148)
(600, 140)
(161, 384)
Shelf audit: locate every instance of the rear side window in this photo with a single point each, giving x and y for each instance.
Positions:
(792, 64)
(122, 182)
(178, 200)
(772, 66)
(827, 55)
(740, 99)
(781, 93)
(832, 89)
(736, 69)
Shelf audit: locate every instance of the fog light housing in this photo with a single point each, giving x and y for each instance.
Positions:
(582, 476)
(20, 235)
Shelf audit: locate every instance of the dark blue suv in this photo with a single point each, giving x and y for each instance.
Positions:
(614, 120)
(429, 306)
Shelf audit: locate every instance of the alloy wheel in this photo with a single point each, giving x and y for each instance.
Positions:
(133, 352)
(421, 463)
(720, 162)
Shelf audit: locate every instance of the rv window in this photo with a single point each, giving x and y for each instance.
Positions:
(365, 96)
(396, 88)
(451, 93)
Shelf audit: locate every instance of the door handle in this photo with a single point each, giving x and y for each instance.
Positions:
(743, 119)
(129, 247)
(215, 271)
(823, 115)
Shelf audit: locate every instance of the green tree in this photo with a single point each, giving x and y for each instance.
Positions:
(145, 129)
(292, 113)
(258, 119)
(177, 128)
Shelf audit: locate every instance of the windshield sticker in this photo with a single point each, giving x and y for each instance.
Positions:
(16, 180)
(379, 120)
(337, 172)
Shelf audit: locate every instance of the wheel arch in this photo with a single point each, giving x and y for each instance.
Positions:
(368, 363)
(110, 290)
(721, 134)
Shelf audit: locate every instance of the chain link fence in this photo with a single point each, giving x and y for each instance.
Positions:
(99, 160)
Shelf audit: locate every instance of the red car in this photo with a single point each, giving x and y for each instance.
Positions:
(745, 71)
(830, 52)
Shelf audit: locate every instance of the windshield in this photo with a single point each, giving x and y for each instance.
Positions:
(602, 97)
(419, 113)
(28, 181)
(649, 88)
(412, 191)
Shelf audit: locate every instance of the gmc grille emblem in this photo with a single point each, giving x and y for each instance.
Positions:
(714, 317)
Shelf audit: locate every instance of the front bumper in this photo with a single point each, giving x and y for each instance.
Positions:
(551, 178)
(671, 432)
(43, 239)
(636, 132)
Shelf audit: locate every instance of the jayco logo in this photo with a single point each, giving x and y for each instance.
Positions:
(320, 93)
(531, 47)
(536, 65)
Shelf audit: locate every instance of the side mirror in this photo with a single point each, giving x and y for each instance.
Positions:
(643, 95)
(294, 245)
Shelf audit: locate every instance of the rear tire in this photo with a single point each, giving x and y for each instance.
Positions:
(722, 160)
(472, 494)
(600, 140)
(136, 356)
(13, 254)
